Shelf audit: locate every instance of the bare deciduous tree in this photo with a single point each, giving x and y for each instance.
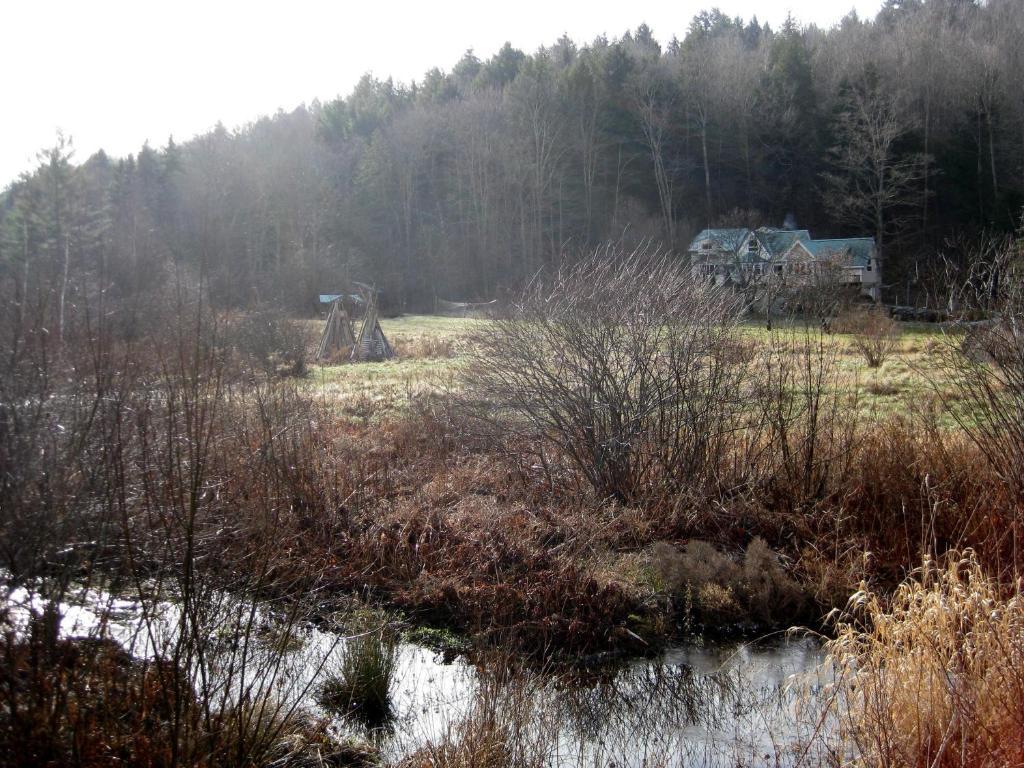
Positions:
(985, 366)
(872, 184)
(653, 98)
(808, 425)
(821, 294)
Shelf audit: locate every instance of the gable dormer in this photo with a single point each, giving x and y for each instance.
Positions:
(718, 244)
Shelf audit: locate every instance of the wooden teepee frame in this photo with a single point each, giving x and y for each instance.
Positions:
(372, 344)
(337, 338)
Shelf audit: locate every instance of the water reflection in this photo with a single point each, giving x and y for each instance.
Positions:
(731, 704)
(718, 705)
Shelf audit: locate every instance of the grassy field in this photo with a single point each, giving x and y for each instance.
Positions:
(912, 376)
(430, 350)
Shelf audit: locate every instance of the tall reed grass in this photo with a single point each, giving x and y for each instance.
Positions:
(934, 675)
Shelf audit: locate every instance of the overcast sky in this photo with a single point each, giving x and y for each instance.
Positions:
(113, 74)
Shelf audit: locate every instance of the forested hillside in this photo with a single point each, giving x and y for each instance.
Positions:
(909, 126)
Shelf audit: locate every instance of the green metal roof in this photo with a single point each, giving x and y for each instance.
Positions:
(775, 242)
(858, 249)
(722, 239)
(778, 241)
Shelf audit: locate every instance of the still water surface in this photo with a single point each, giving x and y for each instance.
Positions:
(722, 704)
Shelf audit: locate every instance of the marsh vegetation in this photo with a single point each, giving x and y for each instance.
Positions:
(576, 529)
(210, 560)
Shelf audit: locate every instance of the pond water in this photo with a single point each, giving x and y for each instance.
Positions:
(716, 704)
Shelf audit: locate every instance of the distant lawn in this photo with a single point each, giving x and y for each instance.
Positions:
(414, 326)
(430, 349)
(906, 380)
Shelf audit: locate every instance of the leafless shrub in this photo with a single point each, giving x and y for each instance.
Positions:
(875, 334)
(984, 363)
(809, 429)
(268, 340)
(820, 295)
(149, 473)
(961, 281)
(614, 363)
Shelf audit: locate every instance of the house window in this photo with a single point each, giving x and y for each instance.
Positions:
(778, 269)
(869, 267)
(706, 245)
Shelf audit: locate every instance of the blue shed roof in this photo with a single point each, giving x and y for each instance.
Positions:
(327, 298)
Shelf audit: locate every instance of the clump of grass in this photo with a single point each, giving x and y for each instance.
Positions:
(479, 742)
(770, 594)
(882, 388)
(268, 340)
(504, 727)
(719, 589)
(361, 686)
(245, 731)
(315, 746)
(934, 676)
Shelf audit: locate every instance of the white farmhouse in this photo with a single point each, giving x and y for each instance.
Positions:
(741, 256)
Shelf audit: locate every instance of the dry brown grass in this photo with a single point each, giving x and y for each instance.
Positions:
(425, 347)
(934, 675)
(717, 589)
(83, 701)
(411, 513)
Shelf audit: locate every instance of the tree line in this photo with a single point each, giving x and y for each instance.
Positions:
(908, 127)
